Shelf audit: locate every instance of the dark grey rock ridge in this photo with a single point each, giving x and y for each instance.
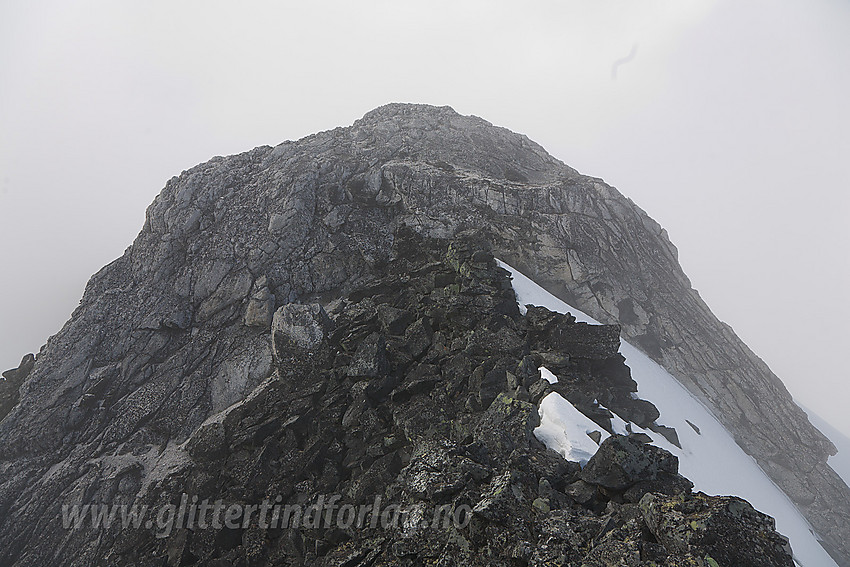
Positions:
(176, 330)
(415, 389)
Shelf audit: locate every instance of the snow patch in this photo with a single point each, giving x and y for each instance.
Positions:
(565, 430)
(621, 426)
(710, 459)
(547, 375)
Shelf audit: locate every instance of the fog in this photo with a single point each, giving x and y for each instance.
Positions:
(726, 121)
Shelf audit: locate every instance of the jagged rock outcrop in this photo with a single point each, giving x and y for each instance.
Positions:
(176, 330)
(437, 422)
(727, 529)
(10, 384)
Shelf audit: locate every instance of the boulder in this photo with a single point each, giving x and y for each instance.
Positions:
(725, 528)
(370, 359)
(622, 462)
(297, 326)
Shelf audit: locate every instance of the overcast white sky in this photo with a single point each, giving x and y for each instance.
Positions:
(729, 125)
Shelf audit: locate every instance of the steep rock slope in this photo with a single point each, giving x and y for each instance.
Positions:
(172, 332)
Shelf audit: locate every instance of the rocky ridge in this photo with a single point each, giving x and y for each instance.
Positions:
(420, 388)
(172, 332)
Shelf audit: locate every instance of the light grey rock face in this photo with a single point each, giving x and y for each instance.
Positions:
(260, 308)
(301, 325)
(167, 334)
(297, 329)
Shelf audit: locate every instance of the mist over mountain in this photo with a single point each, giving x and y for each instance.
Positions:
(284, 309)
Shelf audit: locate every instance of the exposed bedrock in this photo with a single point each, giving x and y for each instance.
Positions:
(176, 330)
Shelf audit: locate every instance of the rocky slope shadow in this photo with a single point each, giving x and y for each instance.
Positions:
(421, 389)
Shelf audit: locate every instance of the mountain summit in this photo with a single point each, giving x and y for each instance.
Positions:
(239, 315)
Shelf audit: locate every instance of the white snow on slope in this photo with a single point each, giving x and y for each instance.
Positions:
(564, 429)
(619, 425)
(547, 375)
(710, 459)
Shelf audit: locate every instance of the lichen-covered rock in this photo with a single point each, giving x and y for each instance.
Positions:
(370, 359)
(622, 461)
(502, 501)
(724, 528)
(506, 425)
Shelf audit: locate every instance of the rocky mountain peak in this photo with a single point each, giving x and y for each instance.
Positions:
(395, 110)
(439, 134)
(179, 328)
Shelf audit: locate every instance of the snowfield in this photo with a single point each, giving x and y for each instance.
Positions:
(710, 459)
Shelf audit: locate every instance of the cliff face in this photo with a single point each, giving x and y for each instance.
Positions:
(176, 330)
